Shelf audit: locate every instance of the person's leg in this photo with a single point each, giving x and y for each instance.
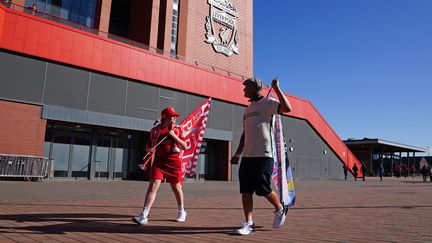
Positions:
(142, 218)
(247, 226)
(247, 173)
(263, 188)
(247, 201)
(151, 193)
(246, 179)
(274, 200)
(178, 193)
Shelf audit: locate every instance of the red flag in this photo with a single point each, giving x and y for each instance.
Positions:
(193, 128)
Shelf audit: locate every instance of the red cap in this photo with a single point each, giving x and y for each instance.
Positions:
(169, 112)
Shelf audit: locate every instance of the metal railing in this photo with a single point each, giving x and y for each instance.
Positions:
(127, 41)
(22, 166)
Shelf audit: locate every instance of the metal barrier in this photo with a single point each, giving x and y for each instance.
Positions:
(21, 166)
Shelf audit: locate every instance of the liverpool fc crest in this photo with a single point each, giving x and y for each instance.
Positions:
(221, 27)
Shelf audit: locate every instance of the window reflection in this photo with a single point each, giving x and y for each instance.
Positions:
(79, 11)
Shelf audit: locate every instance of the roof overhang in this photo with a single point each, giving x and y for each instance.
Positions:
(380, 144)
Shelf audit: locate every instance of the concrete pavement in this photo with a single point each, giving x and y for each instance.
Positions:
(395, 210)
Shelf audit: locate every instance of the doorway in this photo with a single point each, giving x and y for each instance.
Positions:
(88, 152)
(69, 148)
(111, 155)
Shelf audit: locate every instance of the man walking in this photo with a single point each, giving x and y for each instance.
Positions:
(355, 170)
(363, 170)
(345, 170)
(255, 145)
(381, 171)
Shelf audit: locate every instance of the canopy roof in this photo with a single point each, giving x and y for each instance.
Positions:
(380, 144)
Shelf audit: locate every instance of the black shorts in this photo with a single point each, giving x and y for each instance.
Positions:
(255, 175)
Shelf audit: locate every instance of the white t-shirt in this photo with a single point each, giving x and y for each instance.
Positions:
(256, 122)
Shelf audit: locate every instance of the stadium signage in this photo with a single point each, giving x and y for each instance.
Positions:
(221, 27)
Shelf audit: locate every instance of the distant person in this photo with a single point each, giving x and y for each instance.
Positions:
(430, 173)
(355, 170)
(424, 172)
(345, 170)
(167, 164)
(381, 171)
(404, 170)
(412, 170)
(8, 3)
(397, 171)
(34, 8)
(363, 170)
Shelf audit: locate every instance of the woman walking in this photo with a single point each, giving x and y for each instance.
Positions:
(167, 144)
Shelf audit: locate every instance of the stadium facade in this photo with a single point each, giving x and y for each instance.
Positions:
(83, 82)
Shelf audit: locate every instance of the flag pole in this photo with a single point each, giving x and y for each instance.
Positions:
(153, 149)
(271, 87)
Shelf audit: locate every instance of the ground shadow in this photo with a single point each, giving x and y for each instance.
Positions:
(102, 223)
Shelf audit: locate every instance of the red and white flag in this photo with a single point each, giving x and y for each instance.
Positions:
(193, 128)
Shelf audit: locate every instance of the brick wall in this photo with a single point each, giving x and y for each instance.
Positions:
(22, 131)
(192, 33)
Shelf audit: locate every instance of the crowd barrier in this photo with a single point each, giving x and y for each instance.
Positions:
(26, 167)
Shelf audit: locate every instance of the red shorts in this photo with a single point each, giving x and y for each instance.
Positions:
(171, 176)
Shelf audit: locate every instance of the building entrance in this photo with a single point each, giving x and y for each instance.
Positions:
(69, 149)
(93, 153)
(111, 155)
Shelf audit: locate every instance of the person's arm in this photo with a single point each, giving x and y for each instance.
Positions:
(285, 105)
(235, 159)
(177, 139)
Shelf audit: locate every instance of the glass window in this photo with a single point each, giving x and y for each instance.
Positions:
(174, 30)
(121, 160)
(102, 157)
(60, 154)
(79, 11)
(80, 155)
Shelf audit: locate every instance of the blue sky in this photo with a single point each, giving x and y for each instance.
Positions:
(366, 65)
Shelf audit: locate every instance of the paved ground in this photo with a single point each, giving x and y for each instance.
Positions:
(326, 211)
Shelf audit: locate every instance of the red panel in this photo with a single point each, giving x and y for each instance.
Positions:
(39, 37)
(133, 65)
(7, 27)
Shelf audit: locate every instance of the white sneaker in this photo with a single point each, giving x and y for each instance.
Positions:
(181, 217)
(140, 219)
(279, 218)
(246, 228)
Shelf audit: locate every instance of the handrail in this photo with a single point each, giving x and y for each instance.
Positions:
(38, 13)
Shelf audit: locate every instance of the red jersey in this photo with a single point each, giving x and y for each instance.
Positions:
(168, 156)
(168, 151)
